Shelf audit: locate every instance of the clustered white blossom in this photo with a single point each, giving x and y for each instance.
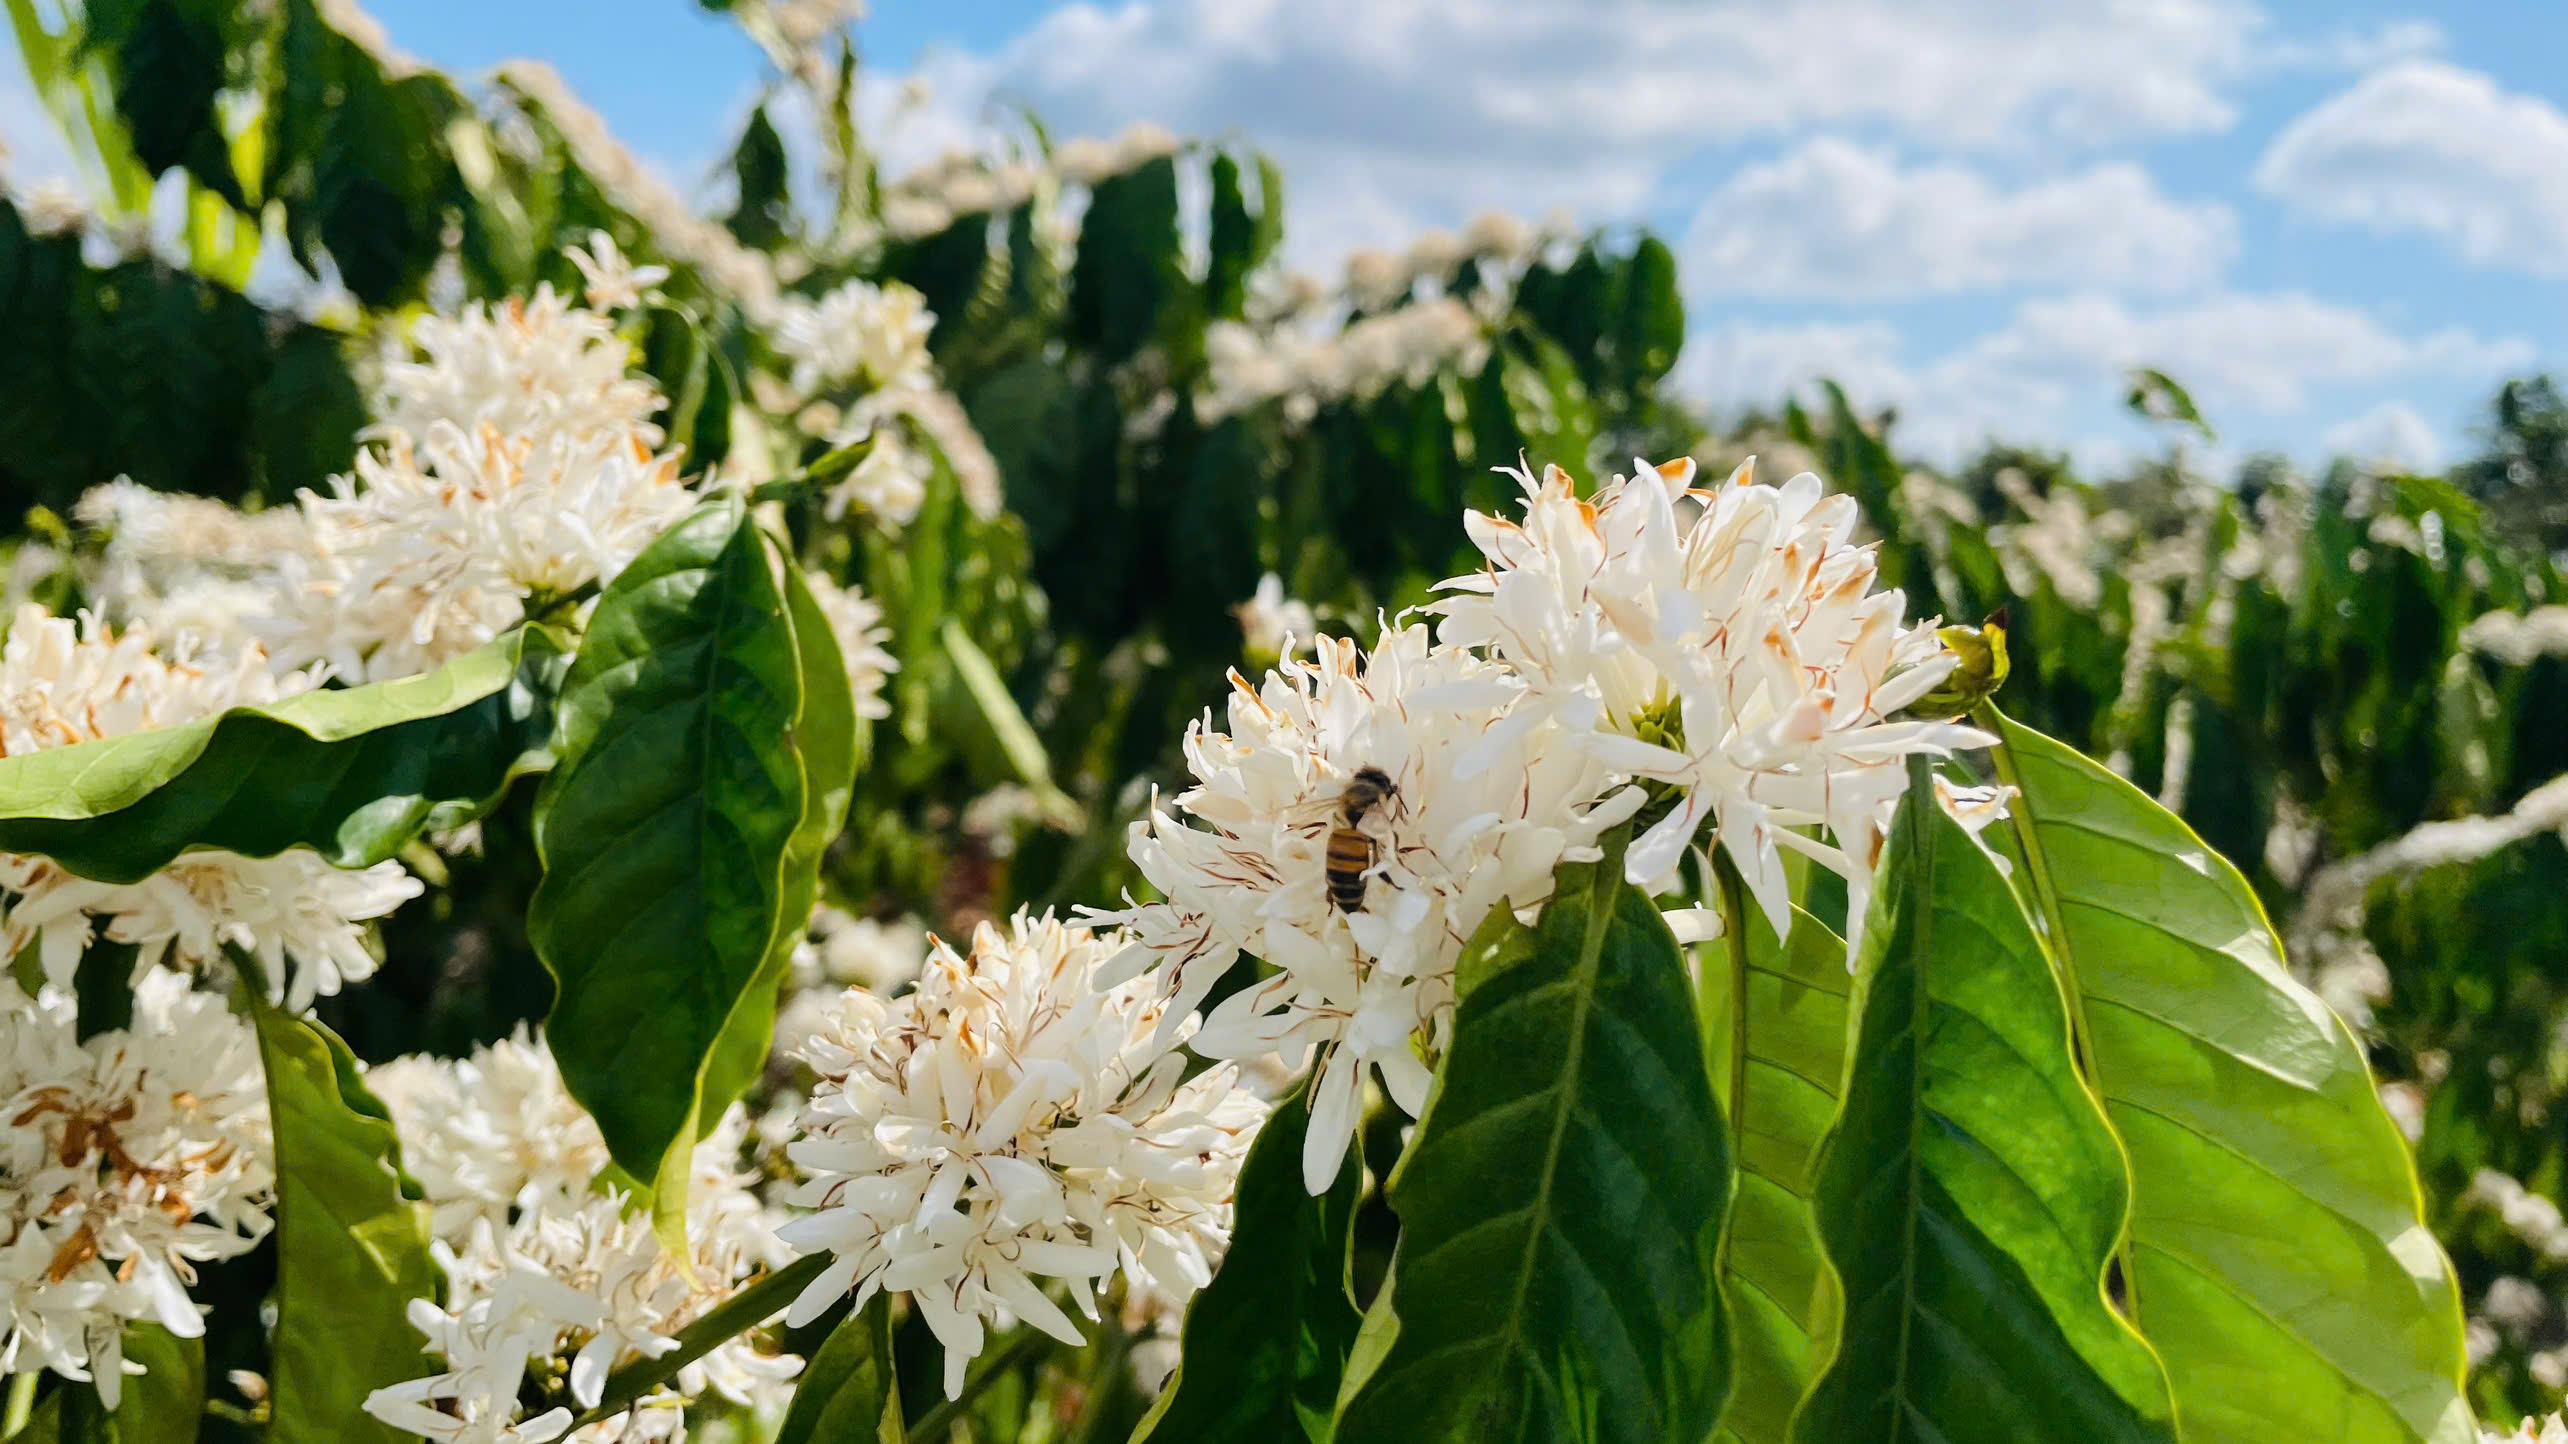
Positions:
(1377, 278)
(547, 1271)
(856, 621)
(873, 335)
(65, 681)
(2546, 1429)
(126, 1160)
(1010, 1121)
(1248, 365)
(1728, 645)
(1727, 641)
(517, 460)
(1369, 992)
(840, 951)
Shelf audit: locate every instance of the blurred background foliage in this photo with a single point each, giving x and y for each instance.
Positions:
(2308, 667)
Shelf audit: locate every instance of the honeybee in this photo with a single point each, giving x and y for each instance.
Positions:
(1351, 849)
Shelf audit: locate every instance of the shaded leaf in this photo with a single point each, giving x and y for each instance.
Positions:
(848, 1392)
(352, 1250)
(1775, 1015)
(2279, 1262)
(1266, 1341)
(1562, 1202)
(353, 774)
(1970, 1194)
(1129, 263)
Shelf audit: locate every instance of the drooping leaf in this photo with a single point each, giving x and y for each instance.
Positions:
(1266, 1341)
(1970, 1195)
(2279, 1261)
(664, 832)
(352, 774)
(352, 1250)
(848, 1392)
(1775, 1015)
(1562, 1202)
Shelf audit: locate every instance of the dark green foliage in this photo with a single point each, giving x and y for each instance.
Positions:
(158, 375)
(1268, 1338)
(764, 209)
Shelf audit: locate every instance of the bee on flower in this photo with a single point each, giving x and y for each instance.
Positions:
(1243, 862)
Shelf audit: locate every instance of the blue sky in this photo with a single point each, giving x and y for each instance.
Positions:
(2340, 224)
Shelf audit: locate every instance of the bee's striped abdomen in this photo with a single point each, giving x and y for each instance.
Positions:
(1350, 853)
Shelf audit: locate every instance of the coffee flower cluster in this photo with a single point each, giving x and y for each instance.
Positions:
(127, 1158)
(552, 1277)
(1010, 1121)
(66, 681)
(1726, 645)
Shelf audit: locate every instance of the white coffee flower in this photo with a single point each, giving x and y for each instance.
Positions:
(613, 282)
(1010, 1120)
(127, 1159)
(542, 1265)
(1270, 621)
(839, 951)
(496, 1135)
(64, 682)
(875, 336)
(2547, 1429)
(1727, 641)
(857, 623)
(1370, 991)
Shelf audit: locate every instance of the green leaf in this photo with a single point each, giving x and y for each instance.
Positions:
(1652, 329)
(823, 737)
(758, 164)
(1970, 1194)
(353, 774)
(165, 1404)
(1129, 263)
(664, 832)
(848, 1392)
(352, 1251)
(2278, 1259)
(1266, 1341)
(1562, 1202)
(1231, 249)
(1781, 1054)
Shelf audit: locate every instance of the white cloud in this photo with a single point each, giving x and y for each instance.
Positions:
(1837, 221)
(2391, 434)
(1391, 114)
(2426, 146)
(2058, 362)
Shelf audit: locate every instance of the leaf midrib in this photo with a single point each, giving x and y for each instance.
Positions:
(1603, 898)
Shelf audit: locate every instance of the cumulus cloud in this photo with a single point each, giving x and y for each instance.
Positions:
(1837, 221)
(2248, 355)
(2429, 147)
(2391, 435)
(1391, 114)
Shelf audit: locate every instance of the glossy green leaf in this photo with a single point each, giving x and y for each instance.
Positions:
(1970, 1194)
(848, 1391)
(1775, 1017)
(664, 832)
(2278, 1259)
(823, 739)
(1266, 1342)
(352, 774)
(351, 1250)
(1562, 1201)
